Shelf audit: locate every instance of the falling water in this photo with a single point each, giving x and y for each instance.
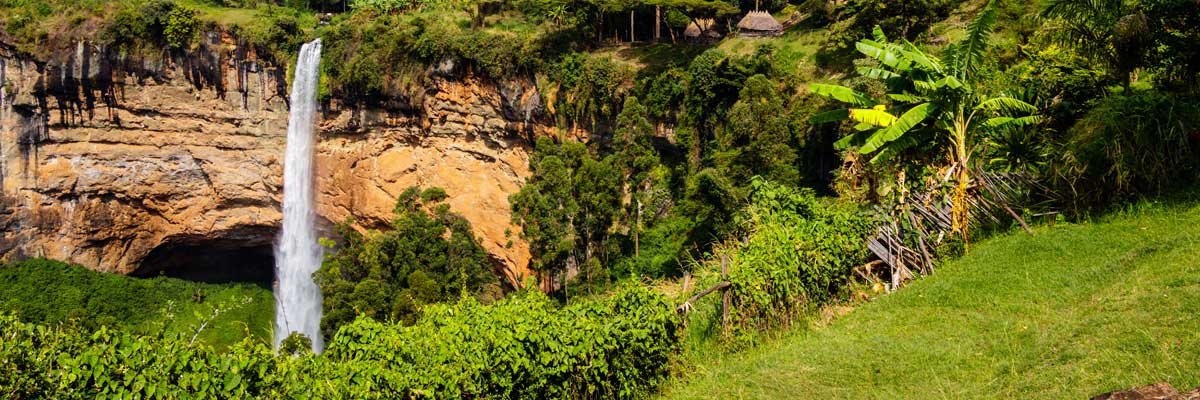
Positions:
(297, 254)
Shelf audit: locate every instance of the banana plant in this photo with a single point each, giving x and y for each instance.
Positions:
(926, 97)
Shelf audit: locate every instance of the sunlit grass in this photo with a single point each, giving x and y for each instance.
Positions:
(50, 292)
(1072, 312)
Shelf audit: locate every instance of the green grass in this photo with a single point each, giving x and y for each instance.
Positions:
(44, 291)
(1075, 311)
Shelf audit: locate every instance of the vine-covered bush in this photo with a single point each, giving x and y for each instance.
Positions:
(799, 252)
(521, 347)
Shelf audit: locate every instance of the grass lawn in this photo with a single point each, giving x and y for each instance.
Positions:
(1072, 312)
(50, 292)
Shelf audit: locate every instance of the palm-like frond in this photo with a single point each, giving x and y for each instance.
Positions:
(829, 116)
(876, 73)
(894, 148)
(886, 53)
(842, 94)
(875, 117)
(1006, 105)
(850, 140)
(1087, 25)
(907, 98)
(911, 118)
(969, 53)
(1010, 122)
(927, 61)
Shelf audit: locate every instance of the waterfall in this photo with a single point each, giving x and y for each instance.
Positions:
(297, 253)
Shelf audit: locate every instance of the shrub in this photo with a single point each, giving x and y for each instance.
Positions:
(522, 347)
(799, 253)
(1144, 143)
(181, 26)
(47, 291)
(429, 255)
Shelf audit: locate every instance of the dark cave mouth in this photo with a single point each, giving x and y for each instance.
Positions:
(212, 260)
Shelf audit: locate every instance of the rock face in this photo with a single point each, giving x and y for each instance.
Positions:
(133, 166)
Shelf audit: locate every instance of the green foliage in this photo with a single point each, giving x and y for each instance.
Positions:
(295, 344)
(926, 97)
(1014, 319)
(1175, 28)
(181, 26)
(799, 253)
(384, 6)
(429, 255)
(589, 89)
(1113, 33)
(677, 19)
(522, 347)
(279, 30)
(568, 206)
(45, 291)
(857, 18)
(1129, 145)
(757, 139)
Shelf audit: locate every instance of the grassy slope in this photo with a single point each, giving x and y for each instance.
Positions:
(44, 291)
(1072, 312)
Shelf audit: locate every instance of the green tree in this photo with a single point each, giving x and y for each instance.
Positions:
(635, 155)
(1113, 33)
(429, 255)
(757, 139)
(567, 208)
(925, 98)
(181, 26)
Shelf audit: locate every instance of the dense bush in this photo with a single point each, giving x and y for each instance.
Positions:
(799, 252)
(429, 255)
(588, 90)
(1140, 144)
(44, 291)
(522, 347)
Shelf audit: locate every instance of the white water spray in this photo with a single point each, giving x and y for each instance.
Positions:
(297, 253)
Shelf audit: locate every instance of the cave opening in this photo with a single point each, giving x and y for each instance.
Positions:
(213, 260)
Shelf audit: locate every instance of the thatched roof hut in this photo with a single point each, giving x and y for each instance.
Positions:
(759, 23)
(702, 27)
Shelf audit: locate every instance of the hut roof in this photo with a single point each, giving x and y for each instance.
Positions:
(759, 21)
(698, 27)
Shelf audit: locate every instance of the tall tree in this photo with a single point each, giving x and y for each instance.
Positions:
(757, 139)
(428, 255)
(635, 156)
(567, 208)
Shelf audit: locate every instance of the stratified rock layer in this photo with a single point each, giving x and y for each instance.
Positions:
(104, 159)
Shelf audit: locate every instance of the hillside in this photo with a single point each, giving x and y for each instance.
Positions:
(1071, 312)
(597, 199)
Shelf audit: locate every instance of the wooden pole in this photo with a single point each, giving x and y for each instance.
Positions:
(725, 293)
(631, 38)
(657, 22)
(688, 304)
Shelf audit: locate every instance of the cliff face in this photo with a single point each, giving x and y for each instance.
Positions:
(133, 166)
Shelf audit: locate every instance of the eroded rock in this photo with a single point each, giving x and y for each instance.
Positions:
(105, 159)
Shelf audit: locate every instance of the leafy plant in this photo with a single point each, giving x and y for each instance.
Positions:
(429, 255)
(521, 347)
(798, 253)
(180, 26)
(926, 96)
